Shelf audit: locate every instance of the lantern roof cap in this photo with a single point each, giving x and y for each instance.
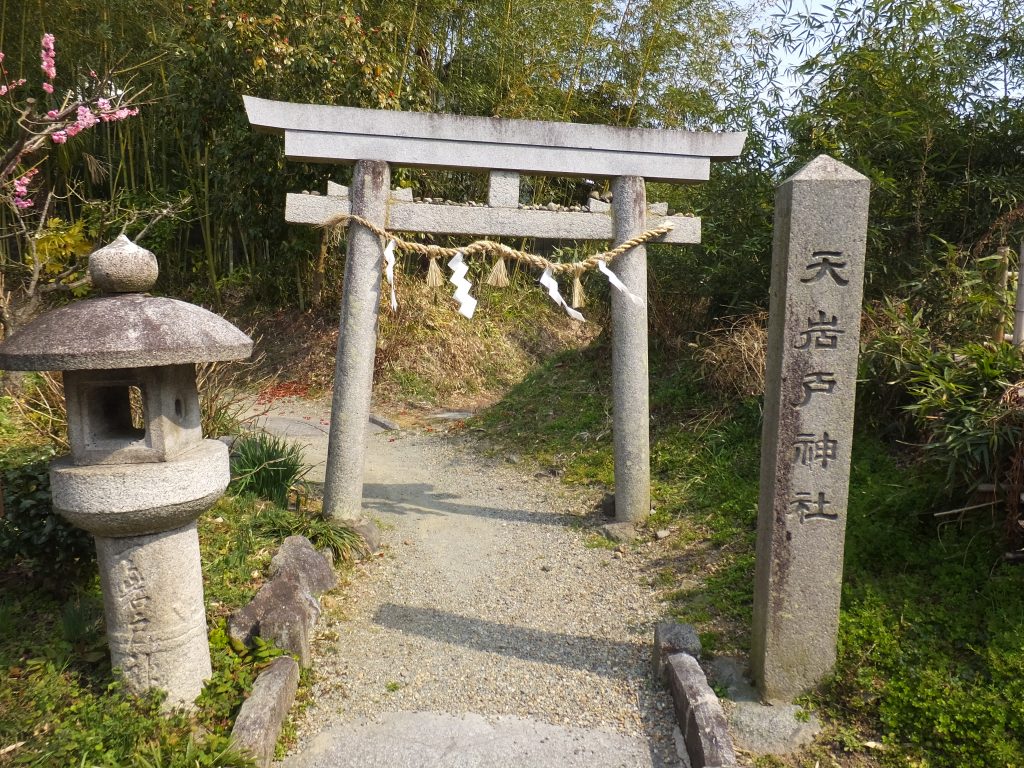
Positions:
(129, 330)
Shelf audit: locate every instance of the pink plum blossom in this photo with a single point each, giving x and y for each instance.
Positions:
(21, 183)
(47, 57)
(59, 137)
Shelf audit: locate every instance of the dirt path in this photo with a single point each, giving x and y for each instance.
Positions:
(488, 633)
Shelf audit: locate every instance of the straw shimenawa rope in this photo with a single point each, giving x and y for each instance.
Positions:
(503, 251)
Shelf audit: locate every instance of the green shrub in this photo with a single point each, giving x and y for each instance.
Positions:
(30, 529)
(959, 402)
(266, 466)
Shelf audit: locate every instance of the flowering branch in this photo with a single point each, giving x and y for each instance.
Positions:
(38, 129)
(40, 125)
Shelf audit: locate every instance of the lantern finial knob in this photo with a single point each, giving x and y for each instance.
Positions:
(123, 267)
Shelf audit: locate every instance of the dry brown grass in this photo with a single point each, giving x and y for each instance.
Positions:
(732, 356)
(427, 353)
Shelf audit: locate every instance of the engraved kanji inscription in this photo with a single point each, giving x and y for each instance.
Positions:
(809, 508)
(818, 382)
(822, 333)
(811, 449)
(826, 263)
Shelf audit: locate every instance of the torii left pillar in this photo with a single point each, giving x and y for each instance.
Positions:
(357, 344)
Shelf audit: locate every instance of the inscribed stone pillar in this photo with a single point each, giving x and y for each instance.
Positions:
(813, 336)
(156, 620)
(357, 343)
(630, 427)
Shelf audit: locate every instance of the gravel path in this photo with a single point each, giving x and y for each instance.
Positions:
(486, 601)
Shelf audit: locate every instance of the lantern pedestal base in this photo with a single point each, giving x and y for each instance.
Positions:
(156, 620)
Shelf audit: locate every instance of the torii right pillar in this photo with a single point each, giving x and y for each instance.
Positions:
(813, 338)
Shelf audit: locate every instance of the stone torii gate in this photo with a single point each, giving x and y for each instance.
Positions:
(376, 139)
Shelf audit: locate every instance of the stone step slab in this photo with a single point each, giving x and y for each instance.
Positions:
(422, 739)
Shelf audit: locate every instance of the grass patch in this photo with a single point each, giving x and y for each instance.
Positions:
(931, 663)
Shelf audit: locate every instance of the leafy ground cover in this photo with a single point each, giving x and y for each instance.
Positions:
(60, 702)
(931, 667)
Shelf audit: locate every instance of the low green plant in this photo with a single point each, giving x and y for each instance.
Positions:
(325, 534)
(266, 466)
(958, 403)
(236, 667)
(30, 529)
(214, 751)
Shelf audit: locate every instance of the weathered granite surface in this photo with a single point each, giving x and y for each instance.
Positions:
(700, 715)
(123, 331)
(813, 338)
(671, 637)
(357, 344)
(630, 399)
(297, 560)
(99, 414)
(258, 724)
(155, 616)
(285, 610)
(123, 267)
(135, 499)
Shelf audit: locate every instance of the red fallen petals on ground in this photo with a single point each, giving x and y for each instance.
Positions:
(284, 389)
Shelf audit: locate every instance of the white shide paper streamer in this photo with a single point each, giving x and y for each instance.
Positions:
(459, 268)
(549, 282)
(618, 284)
(389, 271)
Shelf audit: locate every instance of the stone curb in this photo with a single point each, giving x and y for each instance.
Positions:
(699, 713)
(285, 610)
(671, 637)
(262, 715)
(384, 423)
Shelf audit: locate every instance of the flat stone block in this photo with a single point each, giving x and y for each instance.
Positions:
(259, 721)
(297, 560)
(384, 422)
(700, 715)
(671, 637)
(621, 533)
(771, 730)
(487, 221)
(818, 252)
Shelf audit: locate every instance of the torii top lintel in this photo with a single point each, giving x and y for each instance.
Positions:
(326, 134)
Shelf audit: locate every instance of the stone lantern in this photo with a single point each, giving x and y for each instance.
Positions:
(139, 473)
